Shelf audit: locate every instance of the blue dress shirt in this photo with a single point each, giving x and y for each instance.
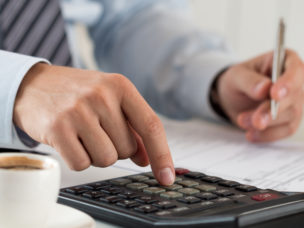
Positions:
(152, 42)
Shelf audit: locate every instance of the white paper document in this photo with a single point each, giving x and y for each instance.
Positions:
(223, 151)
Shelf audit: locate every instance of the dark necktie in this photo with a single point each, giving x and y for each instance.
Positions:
(35, 28)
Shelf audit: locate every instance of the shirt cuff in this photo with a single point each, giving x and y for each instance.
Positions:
(13, 69)
(195, 88)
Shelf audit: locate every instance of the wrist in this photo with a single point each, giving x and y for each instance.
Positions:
(20, 99)
(214, 97)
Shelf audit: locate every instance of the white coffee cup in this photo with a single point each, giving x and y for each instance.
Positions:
(27, 196)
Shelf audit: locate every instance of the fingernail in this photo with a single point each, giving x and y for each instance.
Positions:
(166, 176)
(282, 92)
(265, 120)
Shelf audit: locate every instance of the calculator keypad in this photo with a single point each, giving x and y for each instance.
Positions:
(192, 191)
(171, 195)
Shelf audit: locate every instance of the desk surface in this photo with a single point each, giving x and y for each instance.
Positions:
(91, 174)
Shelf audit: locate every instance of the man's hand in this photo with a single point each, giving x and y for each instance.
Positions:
(245, 90)
(93, 118)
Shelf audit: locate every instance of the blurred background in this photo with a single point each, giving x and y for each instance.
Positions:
(250, 26)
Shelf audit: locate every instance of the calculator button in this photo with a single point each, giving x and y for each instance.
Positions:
(206, 187)
(146, 209)
(211, 179)
(188, 183)
(164, 204)
(223, 192)
(264, 196)
(149, 174)
(181, 171)
(111, 190)
(93, 194)
(173, 187)
(76, 190)
(194, 175)
(115, 191)
(180, 209)
(110, 199)
(127, 203)
(246, 188)
(227, 183)
(88, 187)
(206, 195)
(188, 191)
(153, 190)
(138, 177)
(120, 181)
(99, 185)
(163, 213)
(177, 179)
(189, 199)
(105, 191)
(146, 199)
(151, 182)
(171, 195)
(128, 195)
(137, 186)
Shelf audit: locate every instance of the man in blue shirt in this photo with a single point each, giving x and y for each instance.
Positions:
(93, 117)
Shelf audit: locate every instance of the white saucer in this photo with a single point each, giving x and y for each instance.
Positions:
(68, 217)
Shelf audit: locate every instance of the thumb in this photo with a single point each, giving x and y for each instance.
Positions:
(256, 86)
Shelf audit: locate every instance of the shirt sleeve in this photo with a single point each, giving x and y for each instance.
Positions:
(170, 61)
(13, 69)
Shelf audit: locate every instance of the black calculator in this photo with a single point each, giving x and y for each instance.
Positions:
(194, 200)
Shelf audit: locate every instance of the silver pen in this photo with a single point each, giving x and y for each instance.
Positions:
(278, 63)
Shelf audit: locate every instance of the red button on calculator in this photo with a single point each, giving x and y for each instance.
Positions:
(181, 171)
(264, 196)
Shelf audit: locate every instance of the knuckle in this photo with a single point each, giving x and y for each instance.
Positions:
(121, 79)
(121, 83)
(153, 125)
(55, 124)
(107, 160)
(99, 94)
(162, 157)
(76, 107)
(94, 92)
(80, 165)
(75, 111)
(54, 128)
(127, 151)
